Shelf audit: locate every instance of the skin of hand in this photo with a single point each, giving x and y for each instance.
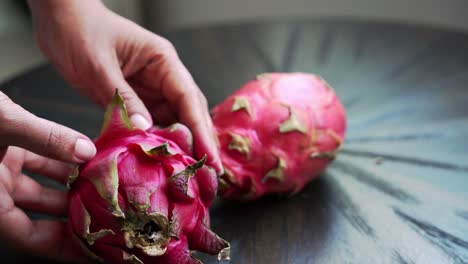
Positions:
(30, 143)
(98, 51)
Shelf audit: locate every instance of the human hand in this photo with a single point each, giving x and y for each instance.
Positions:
(30, 143)
(98, 51)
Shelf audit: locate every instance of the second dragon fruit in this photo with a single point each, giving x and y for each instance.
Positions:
(277, 133)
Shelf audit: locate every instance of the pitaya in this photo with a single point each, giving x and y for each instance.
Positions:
(276, 133)
(143, 198)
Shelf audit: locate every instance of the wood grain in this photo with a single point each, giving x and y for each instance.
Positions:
(397, 193)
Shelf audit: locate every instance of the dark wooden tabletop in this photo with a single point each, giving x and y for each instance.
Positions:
(398, 192)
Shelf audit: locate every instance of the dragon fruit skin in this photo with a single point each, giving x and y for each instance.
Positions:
(143, 198)
(277, 133)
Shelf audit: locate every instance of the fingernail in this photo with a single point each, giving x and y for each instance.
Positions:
(84, 149)
(140, 122)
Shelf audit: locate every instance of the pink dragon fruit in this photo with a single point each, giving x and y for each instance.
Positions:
(277, 133)
(143, 198)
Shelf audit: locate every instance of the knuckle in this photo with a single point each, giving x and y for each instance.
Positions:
(166, 45)
(54, 138)
(166, 49)
(127, 95)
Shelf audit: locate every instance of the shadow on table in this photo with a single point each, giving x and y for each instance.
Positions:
(275, 229)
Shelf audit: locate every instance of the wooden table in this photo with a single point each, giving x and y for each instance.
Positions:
(398, 192)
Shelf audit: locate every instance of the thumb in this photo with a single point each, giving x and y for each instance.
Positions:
(137, 111)
(21, 128)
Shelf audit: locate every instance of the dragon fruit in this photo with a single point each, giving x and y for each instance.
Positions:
(277, 133)
(143, 198)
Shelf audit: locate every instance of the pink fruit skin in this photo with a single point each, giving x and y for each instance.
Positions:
(126, 188)
(258, 112)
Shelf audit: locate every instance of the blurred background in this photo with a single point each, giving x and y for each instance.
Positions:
(18, 51)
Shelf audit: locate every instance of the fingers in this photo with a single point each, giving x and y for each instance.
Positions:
(114, 79)
(20, 128)
(211, 150)
(167, 74)
(30, 195)
(216, 162)
(56, 170)
(45, 238)
(139, 115)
